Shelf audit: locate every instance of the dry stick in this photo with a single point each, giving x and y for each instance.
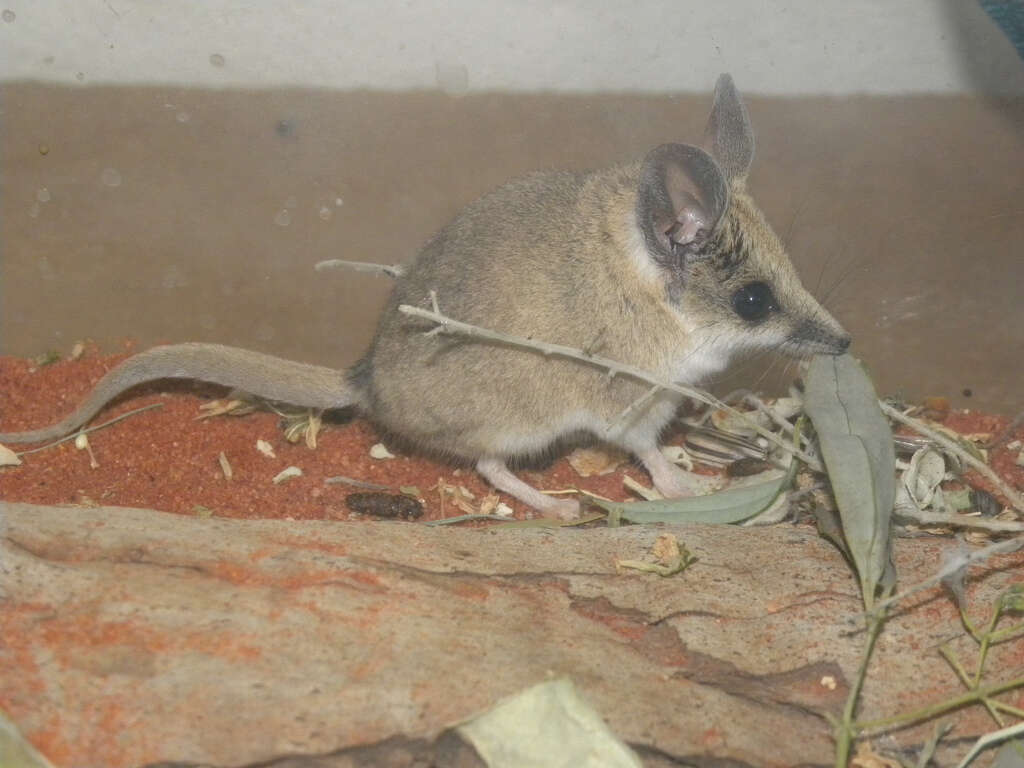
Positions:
(626, 415)
(964, 521)
(446, 324)
(74, 435)
(393, 270)
(1015, 498)
(1001, 548)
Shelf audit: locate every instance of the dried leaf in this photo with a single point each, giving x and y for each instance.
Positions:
(856, 444)
(548, 724)
(671, 558)
(489, 504)
(866, 757)
(595, 461)
(8, 458)
(739, 425)
(302, 425)
(223, 408)
(666, 548)
(919, 486)
(379, 451)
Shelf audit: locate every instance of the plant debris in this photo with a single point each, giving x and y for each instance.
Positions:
(163, 460)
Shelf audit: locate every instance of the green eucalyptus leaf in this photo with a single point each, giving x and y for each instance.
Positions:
(729, 506)
(856, 444)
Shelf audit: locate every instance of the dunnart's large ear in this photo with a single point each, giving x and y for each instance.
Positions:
(728, 136)
(682, 196)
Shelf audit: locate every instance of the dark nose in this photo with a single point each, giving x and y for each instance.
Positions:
(843, 344)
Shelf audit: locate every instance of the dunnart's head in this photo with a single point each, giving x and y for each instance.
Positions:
(724, 268)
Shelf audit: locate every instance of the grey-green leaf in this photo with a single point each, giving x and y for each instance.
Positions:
(728, 506)
(856, 444)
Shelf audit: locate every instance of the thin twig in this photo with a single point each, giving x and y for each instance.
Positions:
(987, 740)
(342, 480)
(626, 416)
(74, 435)
(448, 325)
(963, 521)
(847, 730)
(1000, 548)
(970, 685)
(391, 270)
(1015, 498)
(933, 710)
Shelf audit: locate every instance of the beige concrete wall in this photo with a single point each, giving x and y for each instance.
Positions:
(158, 213)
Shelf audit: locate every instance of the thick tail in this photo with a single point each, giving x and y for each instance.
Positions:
(270, 377)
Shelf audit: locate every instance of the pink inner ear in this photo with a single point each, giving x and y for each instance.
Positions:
(688, 225)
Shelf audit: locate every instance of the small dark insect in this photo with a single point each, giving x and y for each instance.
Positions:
(394, 506)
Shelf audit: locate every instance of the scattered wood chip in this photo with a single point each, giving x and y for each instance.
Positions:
(458, 495)
(829, 682)
(589, 462)
(77, 350)
(225, 466)
(489, 504)
(666, 548)
(266, 449)
(286, 474)
(380, 451)
(503, 510)
(8, 458)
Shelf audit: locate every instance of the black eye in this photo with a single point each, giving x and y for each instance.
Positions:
(754, 301)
